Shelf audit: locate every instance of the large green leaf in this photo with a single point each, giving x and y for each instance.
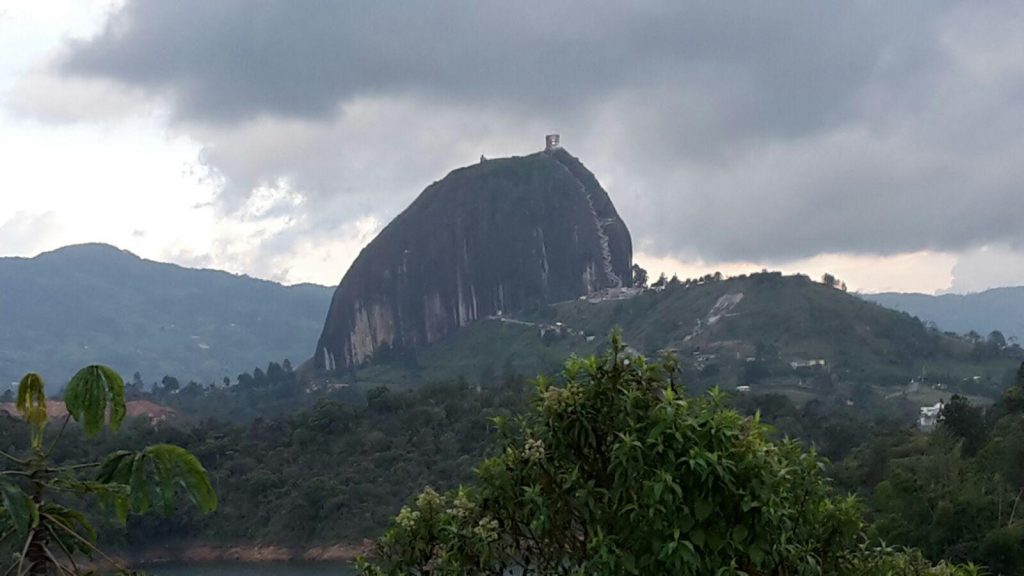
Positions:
(32, 399)
(69, 527)
(94, 393)
(112, 497)
(155, 475)
(23, 512)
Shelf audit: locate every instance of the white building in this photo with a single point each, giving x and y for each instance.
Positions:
(929, 416)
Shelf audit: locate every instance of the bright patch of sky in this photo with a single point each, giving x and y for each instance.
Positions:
(130, 182)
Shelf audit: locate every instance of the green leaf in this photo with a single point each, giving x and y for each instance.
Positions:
(113, 469)
(94, 393)
(111, 496)
(702, 509)
(71, 519)
(32, 400)
(756, 554)
(155, 475)
(23, 511)
(739, 533)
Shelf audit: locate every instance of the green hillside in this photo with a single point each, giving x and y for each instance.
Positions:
(743, 331)
(94, 303)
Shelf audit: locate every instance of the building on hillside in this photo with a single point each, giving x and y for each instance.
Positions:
(612, 294)
(929, 417)
(816, 363)
(552, 142)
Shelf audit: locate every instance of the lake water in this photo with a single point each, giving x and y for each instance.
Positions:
(239, 569)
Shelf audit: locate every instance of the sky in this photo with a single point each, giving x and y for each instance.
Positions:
(878, 141)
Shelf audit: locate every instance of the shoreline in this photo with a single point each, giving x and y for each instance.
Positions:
(243, 554)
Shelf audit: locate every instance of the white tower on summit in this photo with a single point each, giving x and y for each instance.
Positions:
(551, 142)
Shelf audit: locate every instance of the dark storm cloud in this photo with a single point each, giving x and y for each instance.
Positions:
(728, 130)
(787, 67)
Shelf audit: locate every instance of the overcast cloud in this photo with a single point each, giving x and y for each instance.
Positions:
(725, 131)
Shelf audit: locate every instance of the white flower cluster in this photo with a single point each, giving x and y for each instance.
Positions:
(487, 529)
(461, 507)
(429, 499)
(534, 449)
(558, 399)
(407, 518)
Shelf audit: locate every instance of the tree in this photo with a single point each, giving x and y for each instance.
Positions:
(275, 373)
(170, 384)
(639, 276)
(49, 535)
(616, 472)
(831, 281)
(964, 421)
(137, 388)
(1013, 397)
(997, 339)
(661, 282)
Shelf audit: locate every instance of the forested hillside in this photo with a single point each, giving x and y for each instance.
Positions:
(955, 493)
(335, 473)
(770, 332)
(94, 303)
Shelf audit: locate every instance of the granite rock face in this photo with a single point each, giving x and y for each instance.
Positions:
(488, 239)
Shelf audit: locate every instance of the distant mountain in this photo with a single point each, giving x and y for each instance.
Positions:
(95, 303)
(996, 309)
(486, 240)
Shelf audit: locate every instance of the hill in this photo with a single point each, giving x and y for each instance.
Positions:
(765, 330)
(95, 303)
(996, 309)
(487, 239)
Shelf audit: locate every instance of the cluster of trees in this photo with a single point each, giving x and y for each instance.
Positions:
(617, 472)
(333, 473)
(614, 470)
(829, 279)
(275, 390)
(641, 278)
(991, 346)
(955, 493)
(833, 424)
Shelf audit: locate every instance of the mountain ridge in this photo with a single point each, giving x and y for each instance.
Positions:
(999, 309)
(95, 302)
(92, 249)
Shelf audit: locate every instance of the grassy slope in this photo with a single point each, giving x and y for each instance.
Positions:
(779, 319)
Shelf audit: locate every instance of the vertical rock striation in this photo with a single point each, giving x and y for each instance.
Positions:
(487, 239)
